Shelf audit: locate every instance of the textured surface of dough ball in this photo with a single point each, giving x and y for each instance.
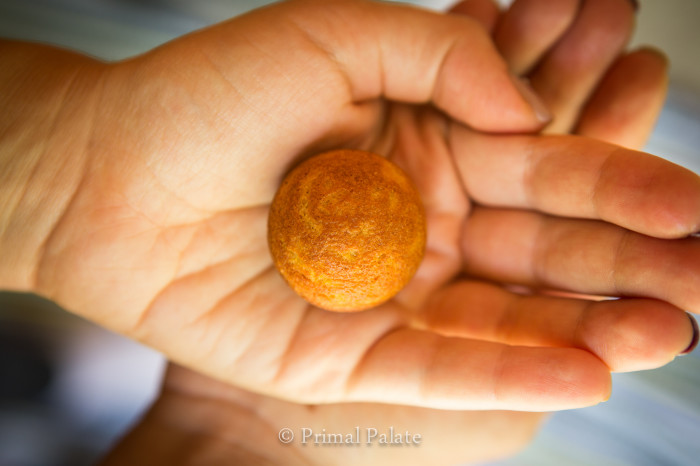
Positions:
(347, 230)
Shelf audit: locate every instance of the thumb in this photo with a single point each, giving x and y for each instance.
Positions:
(412, 55)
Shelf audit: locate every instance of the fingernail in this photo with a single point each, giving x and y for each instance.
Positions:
(541, 111)
(696, 335)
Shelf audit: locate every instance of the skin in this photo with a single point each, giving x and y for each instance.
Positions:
(233, 423)
(138, 213)
(161, 170)
(198, 420)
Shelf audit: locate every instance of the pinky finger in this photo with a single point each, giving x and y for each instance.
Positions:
(624, 108)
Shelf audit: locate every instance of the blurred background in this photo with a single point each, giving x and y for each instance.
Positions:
(69, 389)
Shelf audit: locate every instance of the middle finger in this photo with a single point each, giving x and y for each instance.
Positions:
(582, 256)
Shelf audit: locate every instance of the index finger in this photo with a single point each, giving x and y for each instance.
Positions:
(578, 177)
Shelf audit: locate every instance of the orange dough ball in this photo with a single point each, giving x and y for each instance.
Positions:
(347, 230)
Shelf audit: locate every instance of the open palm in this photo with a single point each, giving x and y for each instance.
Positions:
(165, 238)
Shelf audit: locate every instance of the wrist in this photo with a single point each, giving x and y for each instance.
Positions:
(48, 100)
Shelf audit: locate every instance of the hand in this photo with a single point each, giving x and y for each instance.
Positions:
(590, 84)
(199, 420)
(189, 142)
(448, 437)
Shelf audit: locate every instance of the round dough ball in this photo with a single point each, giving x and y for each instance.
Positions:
(347, 230)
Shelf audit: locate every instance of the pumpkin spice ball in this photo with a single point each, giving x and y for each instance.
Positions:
(347, 230)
